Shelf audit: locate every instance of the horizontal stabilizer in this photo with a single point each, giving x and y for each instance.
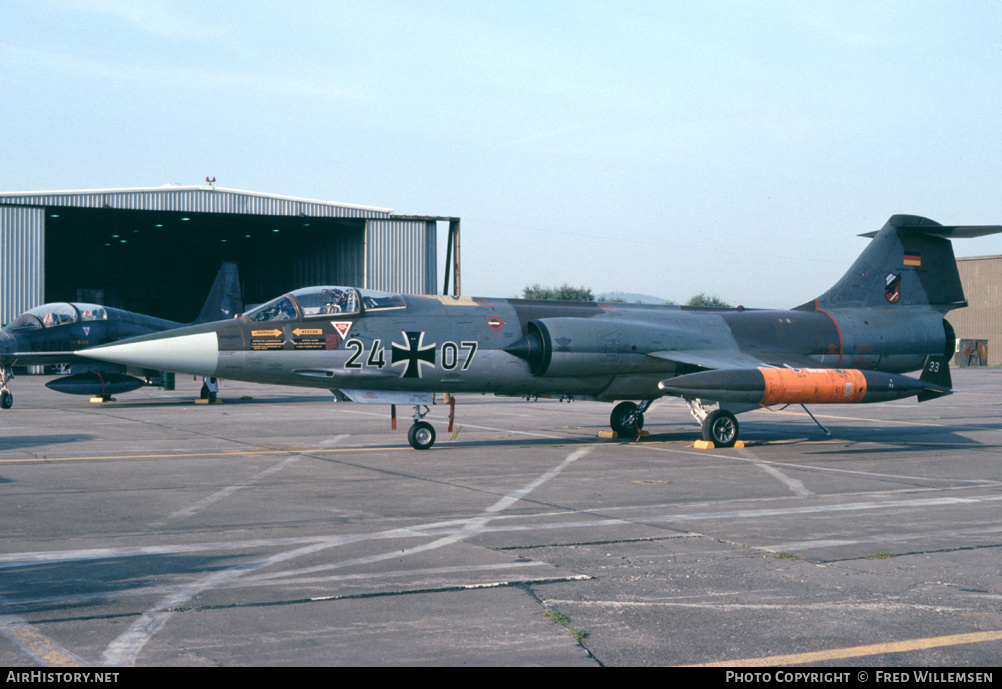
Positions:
(917, 224)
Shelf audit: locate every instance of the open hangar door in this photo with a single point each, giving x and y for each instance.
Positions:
(162, 263)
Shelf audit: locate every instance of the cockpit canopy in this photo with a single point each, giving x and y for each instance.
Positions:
(61, 313)
(315, 302)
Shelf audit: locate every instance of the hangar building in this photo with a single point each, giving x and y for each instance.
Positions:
(157, 250)
(979, 325)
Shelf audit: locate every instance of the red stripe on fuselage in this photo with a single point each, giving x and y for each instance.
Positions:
(837, 329)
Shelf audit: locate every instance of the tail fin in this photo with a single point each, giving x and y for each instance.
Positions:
(910, 262)
(225, 299)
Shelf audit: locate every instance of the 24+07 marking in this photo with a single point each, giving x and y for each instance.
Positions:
(448, 354)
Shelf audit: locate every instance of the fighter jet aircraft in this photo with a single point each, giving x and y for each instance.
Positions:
(51, 334)
(850, 345)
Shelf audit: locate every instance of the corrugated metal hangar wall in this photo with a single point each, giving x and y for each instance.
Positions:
(157, 250)
(981, 320)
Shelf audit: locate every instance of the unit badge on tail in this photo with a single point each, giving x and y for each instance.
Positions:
(892, 291)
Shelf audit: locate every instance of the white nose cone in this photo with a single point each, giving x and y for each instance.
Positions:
(197, 354)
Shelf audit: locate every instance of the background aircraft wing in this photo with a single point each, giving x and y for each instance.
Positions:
(42, 358)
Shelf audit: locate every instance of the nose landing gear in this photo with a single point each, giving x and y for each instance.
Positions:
(6, 396)
(421, 435)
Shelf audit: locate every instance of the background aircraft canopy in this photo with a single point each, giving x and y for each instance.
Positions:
(311, 302)
(374, 299)
(48, 315)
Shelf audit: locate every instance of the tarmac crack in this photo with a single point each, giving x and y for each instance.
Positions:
(314, 599)
(934, 551)
(651, 539)
(578, 635)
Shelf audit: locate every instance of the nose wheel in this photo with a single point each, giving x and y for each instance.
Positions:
(421, 435)
(6, 397)
(210, 388)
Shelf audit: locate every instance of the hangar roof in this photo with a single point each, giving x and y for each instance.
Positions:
(195, 199)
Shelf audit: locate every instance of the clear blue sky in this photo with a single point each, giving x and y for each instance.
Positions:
(661, 147)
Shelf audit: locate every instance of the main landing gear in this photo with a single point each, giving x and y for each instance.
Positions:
(627, 418)
(720, 426)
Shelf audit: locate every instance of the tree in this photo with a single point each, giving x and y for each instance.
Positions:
(704, 299)
(565, 293)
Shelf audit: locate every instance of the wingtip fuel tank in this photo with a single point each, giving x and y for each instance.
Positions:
(769, 386)
(95, 383)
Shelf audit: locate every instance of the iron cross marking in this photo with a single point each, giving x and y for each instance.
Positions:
(413, 353)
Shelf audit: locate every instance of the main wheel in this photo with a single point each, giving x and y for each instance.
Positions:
(618, 420)
(6, 399)
(720, 427)
(421, 435)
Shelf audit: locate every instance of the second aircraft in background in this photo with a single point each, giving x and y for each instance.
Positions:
(52, 334)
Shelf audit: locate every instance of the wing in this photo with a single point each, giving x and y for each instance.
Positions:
(736, 359)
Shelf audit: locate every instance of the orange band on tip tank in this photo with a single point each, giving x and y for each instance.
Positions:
(819, 385)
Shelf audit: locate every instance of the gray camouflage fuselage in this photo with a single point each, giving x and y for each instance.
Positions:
(595, 351)
(885, 315)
